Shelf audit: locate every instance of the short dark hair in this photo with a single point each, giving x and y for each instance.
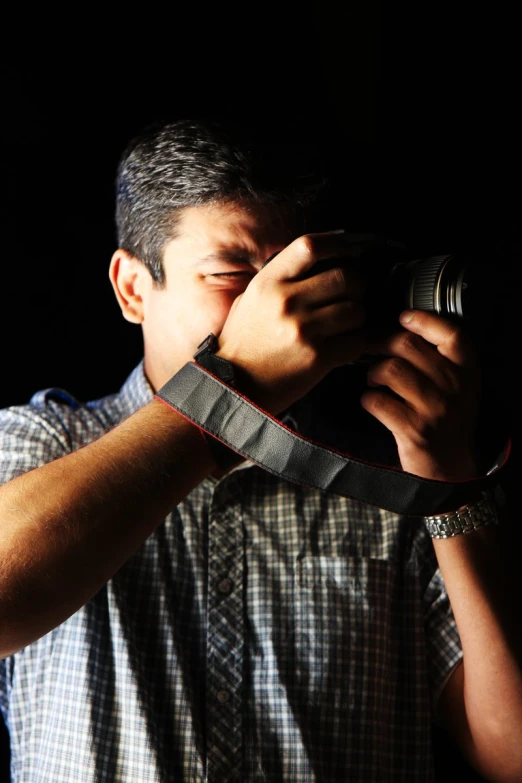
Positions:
(191, 162)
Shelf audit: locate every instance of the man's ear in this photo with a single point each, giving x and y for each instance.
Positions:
(128, 277)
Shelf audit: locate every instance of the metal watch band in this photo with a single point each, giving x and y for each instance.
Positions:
(466, 519)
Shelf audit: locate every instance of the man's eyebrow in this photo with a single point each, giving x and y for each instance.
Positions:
(230, 256)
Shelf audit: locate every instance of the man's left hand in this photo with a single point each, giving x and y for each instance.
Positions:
(424, 388)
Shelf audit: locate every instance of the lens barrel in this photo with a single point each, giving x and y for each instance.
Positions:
(437, 284)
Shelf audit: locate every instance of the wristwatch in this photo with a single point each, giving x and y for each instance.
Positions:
(465, 519)
(206, 357)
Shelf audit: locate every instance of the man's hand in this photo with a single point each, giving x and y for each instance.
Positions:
(426, 393)
(291, 327)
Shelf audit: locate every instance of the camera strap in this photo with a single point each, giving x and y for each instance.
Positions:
(222, 412)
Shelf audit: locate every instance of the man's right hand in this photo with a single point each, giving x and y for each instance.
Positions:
(292, 326)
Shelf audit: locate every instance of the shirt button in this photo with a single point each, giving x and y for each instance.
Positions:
(225, 586)
(223, 696)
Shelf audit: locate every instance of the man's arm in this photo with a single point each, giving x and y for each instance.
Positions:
(432, 371)
(481, 704)
(68, 526)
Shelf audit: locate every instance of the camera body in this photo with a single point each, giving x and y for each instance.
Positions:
(467, 286)
(472, 287)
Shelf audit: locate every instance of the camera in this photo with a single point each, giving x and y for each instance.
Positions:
(469, 285)
(474, 286)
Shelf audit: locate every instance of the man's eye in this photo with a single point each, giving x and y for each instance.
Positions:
(232, 275)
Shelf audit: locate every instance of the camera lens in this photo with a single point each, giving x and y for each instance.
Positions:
(439, 284)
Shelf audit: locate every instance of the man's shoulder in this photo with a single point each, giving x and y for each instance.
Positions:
(55, 413)
(59, 407)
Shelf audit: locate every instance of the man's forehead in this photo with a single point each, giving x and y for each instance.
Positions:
(235, 228)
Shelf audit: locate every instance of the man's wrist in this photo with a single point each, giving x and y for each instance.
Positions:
(466, 519)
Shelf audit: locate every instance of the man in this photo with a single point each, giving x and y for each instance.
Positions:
(166, 614)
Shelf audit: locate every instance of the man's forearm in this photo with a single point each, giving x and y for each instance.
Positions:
(68, 526)
(483, 582)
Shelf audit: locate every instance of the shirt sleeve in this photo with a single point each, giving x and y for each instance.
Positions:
(443, 640)
(27, 440)
(39, 432)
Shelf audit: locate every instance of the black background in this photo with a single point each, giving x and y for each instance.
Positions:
(417, 104)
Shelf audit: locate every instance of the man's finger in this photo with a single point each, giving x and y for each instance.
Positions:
(445, 335)
(299, 257)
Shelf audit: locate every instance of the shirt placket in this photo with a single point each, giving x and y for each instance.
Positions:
(225, 637)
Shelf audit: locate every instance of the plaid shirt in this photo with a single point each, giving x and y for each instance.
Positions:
(264, 632)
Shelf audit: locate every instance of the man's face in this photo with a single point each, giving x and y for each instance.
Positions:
(218, 250)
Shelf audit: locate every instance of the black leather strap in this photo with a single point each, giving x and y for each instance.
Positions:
(251, 432)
